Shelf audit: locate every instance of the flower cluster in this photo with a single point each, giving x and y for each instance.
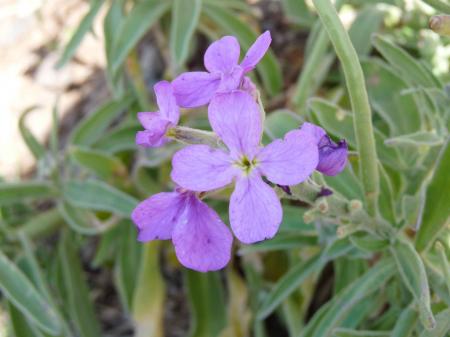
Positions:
(202, 241)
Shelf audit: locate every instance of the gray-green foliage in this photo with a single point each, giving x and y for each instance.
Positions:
(332, 270)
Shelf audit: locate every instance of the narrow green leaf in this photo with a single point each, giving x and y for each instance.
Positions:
(420, 138)
(405, 323)
(99, 196)
(41, 224)
(366, 23)
(149, 294)
(298, 12)
(408, 67)
(413, 273)
(78, 219)
(206, 297)
(279, 122)
(442, 325)
(99, 162)
(282, 241)
(437, 204)
(137, 22)
(268, 68)
(18, 192)
(343, 332)
(20, 325)
(185, 15)
(79, 304)
(36, 148)
(92, 127)
(20, 291)
(82, 28)
(120, 139)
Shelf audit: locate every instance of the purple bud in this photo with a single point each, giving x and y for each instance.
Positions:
(332, 156)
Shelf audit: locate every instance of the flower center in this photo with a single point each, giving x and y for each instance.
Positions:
(246, 165)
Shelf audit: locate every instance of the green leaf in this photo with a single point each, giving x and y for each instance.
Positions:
(206, 297)
(268, 68)
(78, 220)
(99, 196)
(20, 325)
(18, 192)
(406, 65)
(120, 139)
(80, 306)
(82, 28)
(137, 22)
(368, 242)
(413, 273)
(36, 148)
(149, 294)
(101, 163)
(420, 138)
(343, 302)
(282, 241)
(18, 289)
(405, 323)
(279, 122)
(298, 12)
(442, 325)
(185, 15)
(366, 23)
(92, 127)
(437, 204)
(343, 332)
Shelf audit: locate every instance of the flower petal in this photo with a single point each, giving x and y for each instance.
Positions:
(202, 241)
(236, 119)
(256, 51)
(194, 89)
(156, 216)
(201, 168)
(291, 160)
(222, 55)
(332, 156)
(255, 210)
(156, 128)
(316, 131)
(230, 81)
(166, 101)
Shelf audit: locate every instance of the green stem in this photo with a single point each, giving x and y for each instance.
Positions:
(439, 5)
(362, 121)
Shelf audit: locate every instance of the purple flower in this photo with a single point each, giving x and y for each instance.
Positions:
(332, 156)
(255, 210)
(197, 88)
(157, 123)
(202, 241)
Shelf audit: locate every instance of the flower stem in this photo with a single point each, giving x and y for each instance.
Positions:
(362, 120)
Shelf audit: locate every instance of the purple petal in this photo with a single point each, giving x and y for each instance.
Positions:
(156, 128)
(167, 104)
(256, 51)
(316, 131)
(255, 210)
(332, 156)
(249, 87)
(201, 168)
(231, 81)
(156, 216)
(222, 55)
(289, 161)
(194, 89)
(236, 119)
(202, 241)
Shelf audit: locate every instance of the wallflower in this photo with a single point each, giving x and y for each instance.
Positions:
(255, 210)
(332, 156)
(202, 241)
(157, 123)
(194, 89)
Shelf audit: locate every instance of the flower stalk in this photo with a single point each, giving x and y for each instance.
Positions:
(362, 120)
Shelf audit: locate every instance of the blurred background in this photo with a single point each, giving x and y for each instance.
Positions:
(73, 75)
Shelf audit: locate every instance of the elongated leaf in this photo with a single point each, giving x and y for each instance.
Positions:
(442, 325)
(206, 297)
(185, 15)
(281, 242)
(342, 332)
(138, 21)
(297, 12)
(366, 23)
(79, 304)
(101, 163)
(279, 122)
(149, 294)
(18, 192)
(91, 128)
(120, 139)
(421, 138)
(351, 295)
(20, 325)
(437, 204)
(77, 219)
(405, 323)
(82, 28)
(413, 273)
(408, 67)
(36, 148)
(99, 196)
(268, 68)
(21, 292)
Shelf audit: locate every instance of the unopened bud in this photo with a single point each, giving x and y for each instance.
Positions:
(309, 216)
(355, 205)
(322, 206)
